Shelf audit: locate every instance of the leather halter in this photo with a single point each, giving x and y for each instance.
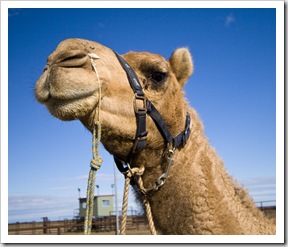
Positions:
(147, 107)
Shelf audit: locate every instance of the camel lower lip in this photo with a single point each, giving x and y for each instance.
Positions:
(60, 102)
(71, 109)
(55, 101)
(67, 99)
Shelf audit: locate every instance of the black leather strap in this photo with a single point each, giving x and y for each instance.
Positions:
(141, 133)
(158, 120)
(180, 140)
(132, 77)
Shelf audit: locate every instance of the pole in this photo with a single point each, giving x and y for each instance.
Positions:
(116, 201)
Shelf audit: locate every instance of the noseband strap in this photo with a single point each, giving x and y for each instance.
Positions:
(146, 107)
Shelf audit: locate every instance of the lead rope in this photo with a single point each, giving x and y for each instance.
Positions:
(96, 164)
(133, 172)
(148, 210)
(96, 161)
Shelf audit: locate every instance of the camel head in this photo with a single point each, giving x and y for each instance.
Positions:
(69, 89)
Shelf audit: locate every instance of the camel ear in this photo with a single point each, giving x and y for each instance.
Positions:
(181, 64)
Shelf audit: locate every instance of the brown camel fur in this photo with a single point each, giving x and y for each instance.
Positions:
(199, 197)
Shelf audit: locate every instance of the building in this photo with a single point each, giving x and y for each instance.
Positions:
(103, 205)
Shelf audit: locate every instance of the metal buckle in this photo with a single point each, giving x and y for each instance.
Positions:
(143, 106)
(135, 145)
(121, 165)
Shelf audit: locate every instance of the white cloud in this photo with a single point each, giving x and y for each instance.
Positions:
(13, 12)
(99, 176)
(229, 20)
(63, 188)
(259, 181)
(101, 25)
(31, 207)
(261, 189)
(79, 178)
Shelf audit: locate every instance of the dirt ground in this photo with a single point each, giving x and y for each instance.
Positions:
(128, 232)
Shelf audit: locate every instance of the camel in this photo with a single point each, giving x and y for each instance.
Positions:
(198, 196)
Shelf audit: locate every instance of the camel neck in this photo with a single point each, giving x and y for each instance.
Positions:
(199, 197)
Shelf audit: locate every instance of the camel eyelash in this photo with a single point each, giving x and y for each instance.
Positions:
(158, 77)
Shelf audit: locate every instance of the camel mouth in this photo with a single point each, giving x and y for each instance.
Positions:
(64, 90)
(72, 108)
(58, 101)
(46, 93)
(67, 103)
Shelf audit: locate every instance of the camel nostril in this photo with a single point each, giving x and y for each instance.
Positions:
(71, 59)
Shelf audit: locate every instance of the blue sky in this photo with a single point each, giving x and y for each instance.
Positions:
(233, 88)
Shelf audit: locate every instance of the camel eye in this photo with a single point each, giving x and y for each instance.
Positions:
(158, 77)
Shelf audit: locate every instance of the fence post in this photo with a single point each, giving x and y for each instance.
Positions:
(45, 224)
(17, 226)
(33, 226)
(65, 225)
